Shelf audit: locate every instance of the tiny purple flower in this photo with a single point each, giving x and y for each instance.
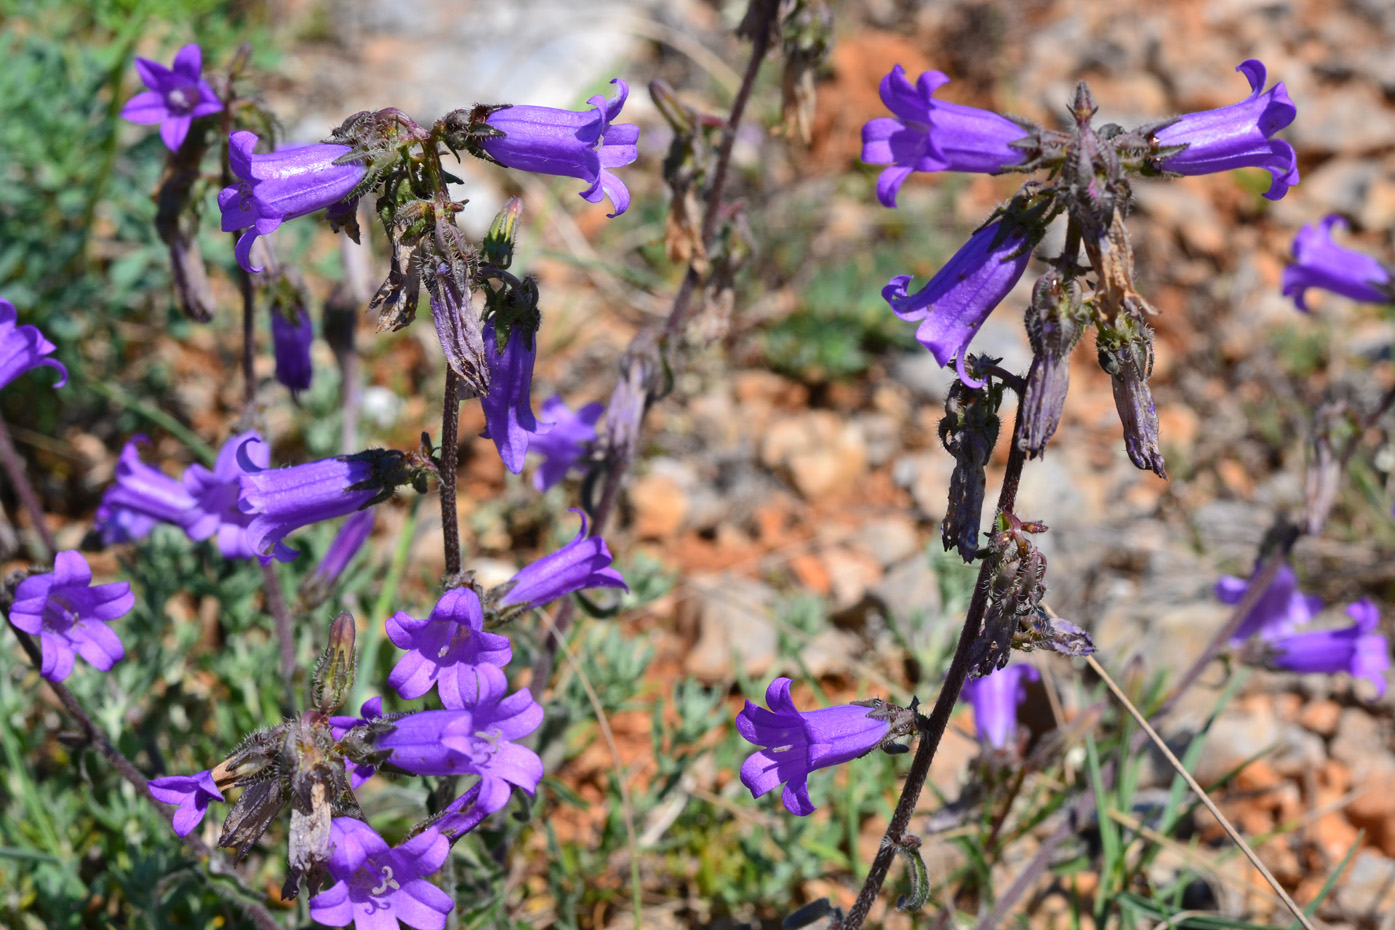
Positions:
(191, 792)
(794, 743)
(1237, 136)
(281, 186)
(70, 615)
(994, 699)
(955, 302)
(563, 445)
(215, 494)
(1357, 650)
(1320, 262)
(143, 489)
(350, 539)
(587, 145)
(446, 649)
(290, 341)
(1281, 608)
(282, 500)
(178, 95)
(582, 563)
(931, 135)
(23, 348)
(377, 887)
(508, 404)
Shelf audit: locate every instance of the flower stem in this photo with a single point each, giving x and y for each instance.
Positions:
(14, 469)
(450, 455)
(285, 635)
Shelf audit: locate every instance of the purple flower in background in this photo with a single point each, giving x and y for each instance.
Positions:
(116, 524)
(281, 186)
(464, 813)
(1357, 650)
(145, 490)
(508, 404)
(1237, 136)
(994, 699)
(178, 95)
(191, 792)
(290, 341)
(563, 445)
(282, 500)
(475, 741)
(586, 145)
(931, 135)
(215, 494)
(582, 563)
(446, 649)
(70, 615)
(23, 348)
(954, 303)
(1281, 608)
(350, 539)
(794, 743)
(376, 886)
(1320, 262)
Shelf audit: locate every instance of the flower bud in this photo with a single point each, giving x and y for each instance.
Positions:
(1127, 354)
(498, 243)
(334, 675)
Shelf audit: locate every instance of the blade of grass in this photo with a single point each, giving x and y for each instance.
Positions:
(373, 636)
(206, 453)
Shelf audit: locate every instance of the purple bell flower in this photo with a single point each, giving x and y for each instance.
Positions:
(954, 303)
(70, 615)
(116, 524)
(476, 741)
(178, 95)
(191, 792)
(1357, 650)
(794, 743)
(377, 887)
(290, 341)
(582, 563)
(508, 404)
(464, 813)
(23, 348)
(1280, 609)
(215, 493)
(446, 649)
(563, 445)
(1237, 136)
(281, 186)
(586, 145)
(282, 500)
(1320, 262)
(143, 489)
(994, 699)
(931, 135)
(347, 542)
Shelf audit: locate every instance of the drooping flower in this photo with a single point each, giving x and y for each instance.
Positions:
(291, 340)
(931, 135)
(23, 348)
(508, 405)
(178, 95)
(191, 792)
(994, 699)
(215, 494)
(282, 500)
(575, 145)
(794, 743)
(1357, 650)
(958, 299)
(1320, 262)
(446, 649)
(116, 524)
(281, 186)
(1280, 609)
(143, 489)
(1237, 136)
(582, 563)
(563, 445)
(69, 614)
(376, 887)
(347, 542)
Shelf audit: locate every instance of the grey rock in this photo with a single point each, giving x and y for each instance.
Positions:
(735, 625)
(1368, 888)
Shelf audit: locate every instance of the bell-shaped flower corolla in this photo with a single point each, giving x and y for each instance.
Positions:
(192, 793)
(116, 524)
(994, 699)
(585, 145)
(216, 511)
(281, 186)
(508, 404)
(1280, 609)
(69, 614)
(282, 500)
(582, 563)
(1357, 650)
(1237, 136)
(290, 342)
(377, 887)
(931, 135)
(565, 443)
(144, 489)
(953, 305)
(446, 649)
(794, 743)
(23, 348)
(178, 95)
(1320, 262)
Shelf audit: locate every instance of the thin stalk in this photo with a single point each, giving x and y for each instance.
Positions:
(285, 635)
(14, 468)
(450, 462)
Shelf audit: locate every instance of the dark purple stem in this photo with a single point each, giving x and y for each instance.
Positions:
(450, 462)
(14, 468)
